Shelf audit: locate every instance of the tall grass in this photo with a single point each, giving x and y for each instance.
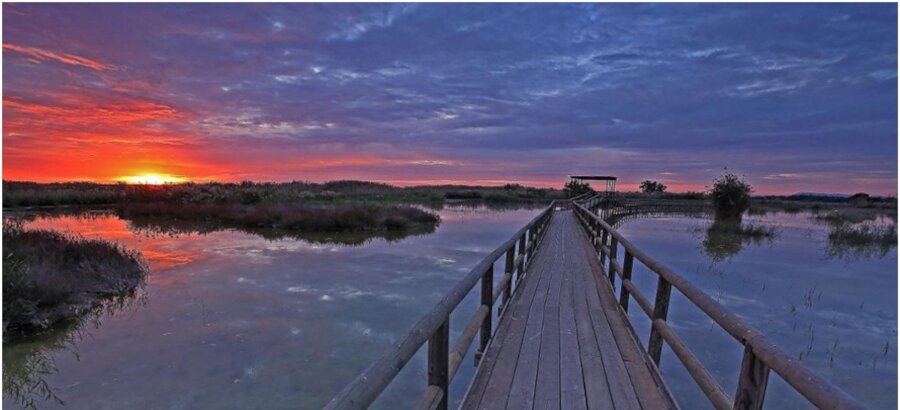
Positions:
(50, 276)
(865, 239)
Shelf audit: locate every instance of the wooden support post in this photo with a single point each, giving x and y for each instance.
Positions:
(487, 300)
(752, 382)
(439, 361)
(660, 311)
(603, 235)
(509, 268)
(520, 270)
(613, 250)
(627, 266)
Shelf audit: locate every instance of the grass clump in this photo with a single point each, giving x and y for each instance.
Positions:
(847, 240)
(50, 277)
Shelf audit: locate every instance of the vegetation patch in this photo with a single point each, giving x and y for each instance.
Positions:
(22, 194)
(299, 218)
(50, 277)
(730, 196)
(861, 240)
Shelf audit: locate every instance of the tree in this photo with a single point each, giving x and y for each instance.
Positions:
(731, 196)
(651, 187)
(574, 188)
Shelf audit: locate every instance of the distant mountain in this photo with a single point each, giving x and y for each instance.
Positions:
(821, 194)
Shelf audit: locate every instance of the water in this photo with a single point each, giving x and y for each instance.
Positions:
(836, 307)
(229, 319)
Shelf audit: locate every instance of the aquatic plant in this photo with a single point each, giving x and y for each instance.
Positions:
(866, 239)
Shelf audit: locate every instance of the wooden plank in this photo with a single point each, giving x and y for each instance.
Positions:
(523, 373)
(620, 386)
(647, 388)
(595, 383)
(572, 388)
(565, 342)
(505, 335)
(506, 342)
(547, 386)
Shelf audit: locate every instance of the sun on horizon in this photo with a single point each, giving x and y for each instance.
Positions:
(150, 178)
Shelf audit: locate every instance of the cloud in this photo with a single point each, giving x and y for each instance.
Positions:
(354, 28)
(38, 55)
(438, 92)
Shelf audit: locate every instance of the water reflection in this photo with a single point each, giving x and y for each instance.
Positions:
(726, 238)
(838, 317)
(29, 359)
(160, 226)
(235, 320)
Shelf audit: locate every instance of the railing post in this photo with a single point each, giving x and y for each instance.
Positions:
(509, 268)
(627, 265)
(439, 360)
(752, 382)
(531, 244)
(487, 300)
(660, 311)
(603, 235)
(520, 269)
(613, 250)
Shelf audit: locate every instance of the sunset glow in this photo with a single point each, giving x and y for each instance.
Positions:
(152, 179)
(804, 102)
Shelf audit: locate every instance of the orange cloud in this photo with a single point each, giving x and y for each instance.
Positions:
(90, 112)
(38, 55)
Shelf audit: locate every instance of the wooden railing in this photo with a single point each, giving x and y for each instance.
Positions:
(434, 327)
(760, 355)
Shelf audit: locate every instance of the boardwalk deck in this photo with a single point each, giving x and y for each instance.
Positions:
(564, 343)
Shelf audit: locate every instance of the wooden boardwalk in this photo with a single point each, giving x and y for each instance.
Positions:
(563, 342)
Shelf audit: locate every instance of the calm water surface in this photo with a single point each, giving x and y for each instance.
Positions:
(230, 319)
(833, 307)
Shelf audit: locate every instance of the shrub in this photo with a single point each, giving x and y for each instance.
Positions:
(652, 187)
(730, 196)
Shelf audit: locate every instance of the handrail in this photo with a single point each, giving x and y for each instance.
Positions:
(760, 355)
(434, 326)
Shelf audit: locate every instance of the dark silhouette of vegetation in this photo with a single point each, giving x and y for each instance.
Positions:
(297, 218)
(165, 225)
(50, 277)
(731, 196)
(652, 187)
(575, 187)
(21, 194)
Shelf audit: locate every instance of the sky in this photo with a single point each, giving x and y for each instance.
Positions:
(792, 97)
